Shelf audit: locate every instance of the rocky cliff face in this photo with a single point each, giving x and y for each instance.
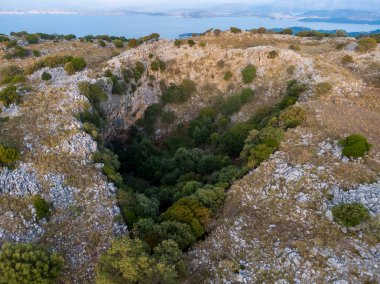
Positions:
(276, 224)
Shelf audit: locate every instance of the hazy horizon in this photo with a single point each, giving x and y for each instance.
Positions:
(161, 5)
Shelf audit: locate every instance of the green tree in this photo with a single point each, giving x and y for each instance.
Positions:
(28, 264)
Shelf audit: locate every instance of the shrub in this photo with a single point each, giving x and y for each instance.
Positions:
(10, 74)
(11, 44)
(178, 43)
(158, 65)
(79, 63)
(4, 38)
(340, 46)
(132, 43)
(347, 59)
(235, 30)
(101, 43)
(233, 103)
(8, 155)
(191, 42)
(69, 68)
(350, 214)
(118, 43)
(46, 76)
(93, 92)
(367, 44)
(287, 32)
(36, 53)
(232, 141)
(295, 47)
(292, 117)
(179, 94)
(28, 263)
(323, 88)
(249, 74)
(273, 54)
(138, 71)
(32, 39)
(217, 32)
(10, 96)
(227, 75)
(354, 146)
(42, 207)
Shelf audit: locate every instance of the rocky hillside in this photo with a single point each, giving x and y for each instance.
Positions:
(276, 223)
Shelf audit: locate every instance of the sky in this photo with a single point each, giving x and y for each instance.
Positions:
(159, 5)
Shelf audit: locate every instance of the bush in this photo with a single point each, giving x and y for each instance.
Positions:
(133, 43)
(101, 43)
(178, 94)
(158, 65)
(138, 71)
(350, 214)
(367, 44)
(178, 43)
(323, 88)
(10, 96)
(249, 74)
(347, 59)
(292, 117)
(46, 76)
(287, 32)
(217, 32)
(227, 75)
(232, 141)
(42, 207)
(118, 43)
(28, 263)
(233, 103)
(8, 155)
(36, 53)
(69, 68)
(354, 146)
(190, 42)
(295, 47)
(235, 30)
(168, 117)
(32, 39)
(10, 74)
(273, 54)
(79, 63)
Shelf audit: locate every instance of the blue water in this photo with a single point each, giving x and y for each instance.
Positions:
(140, 25)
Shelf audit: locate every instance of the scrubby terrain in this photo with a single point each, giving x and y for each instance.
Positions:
(270, 219)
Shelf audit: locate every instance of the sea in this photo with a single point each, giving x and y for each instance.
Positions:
(140, 25)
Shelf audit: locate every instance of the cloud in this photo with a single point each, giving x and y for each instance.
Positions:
(180, 4)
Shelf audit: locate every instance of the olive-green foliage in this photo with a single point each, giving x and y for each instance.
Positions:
(178, 43)
(93, 92)
(367, 44)
(138, 71)
(350, 214)
(249, 74)
(10, 96)
(36, 53)
(233, 103)
(32, 39)
(293, 91)
(347, 59)
(178, 94)
(287, 32)
(132, 43)
(374, 36)
(191, 42)
(4, 38)
(227, 75)
(151, 115)
(111, 165)
(18, 52)
(232, 141)
(217, 32)
(101, 43)
(259, 145)
(235, 30)
(8, 155)
(295, 47)
(310, 33)
(69, 68)
(11, 74)
(129, 261)
(292, 117)
(323, 88)
(157, 65)
(29, 264)
(46, 76)
(49, 61)
(118, 43)
(42, 207)
(79, 63)
(273, 54)
(355, 146)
